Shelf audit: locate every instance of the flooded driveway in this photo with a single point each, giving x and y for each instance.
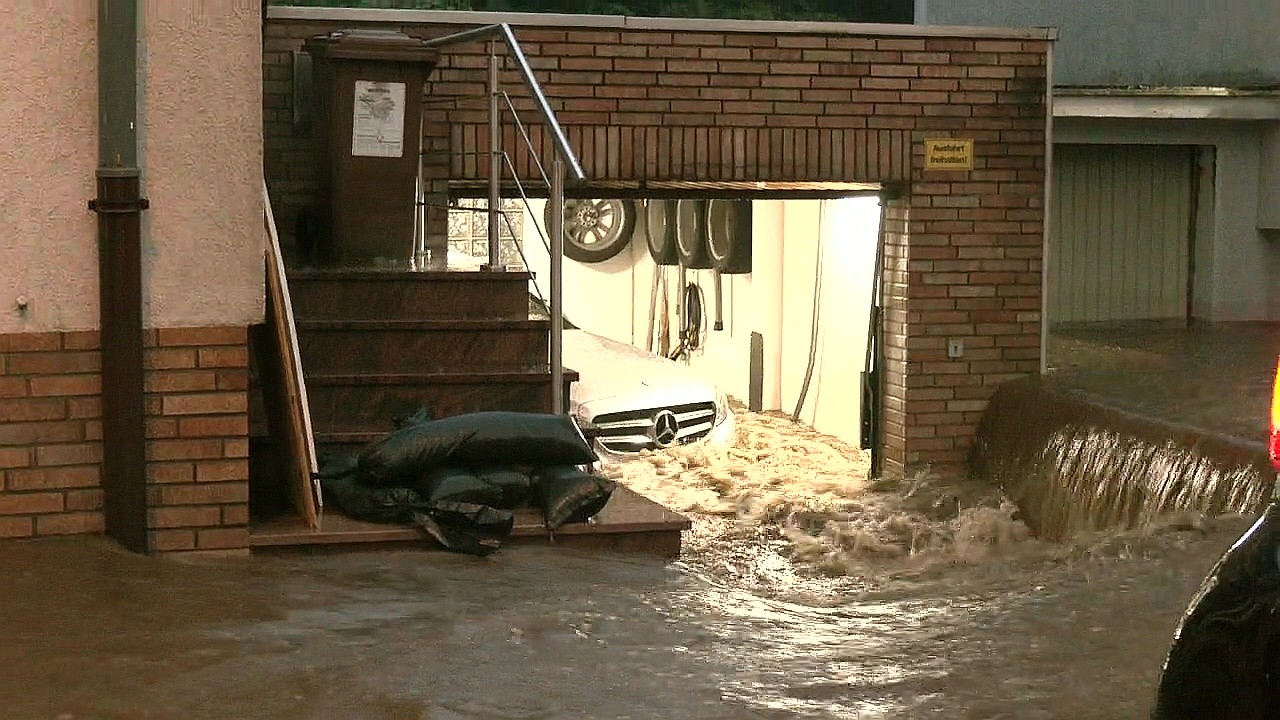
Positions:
(804, 592)
(87, 631)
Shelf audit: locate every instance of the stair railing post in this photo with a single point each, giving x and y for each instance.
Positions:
(495, 160)
(557, 264)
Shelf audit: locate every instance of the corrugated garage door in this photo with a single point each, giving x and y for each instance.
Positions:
(1120, 243)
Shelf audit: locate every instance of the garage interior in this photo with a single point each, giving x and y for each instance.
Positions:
(798, 285)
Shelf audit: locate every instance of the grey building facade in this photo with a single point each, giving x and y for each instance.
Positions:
(1166, 166)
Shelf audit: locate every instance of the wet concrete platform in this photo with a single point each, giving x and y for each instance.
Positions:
(629, 523)
(1212, 377)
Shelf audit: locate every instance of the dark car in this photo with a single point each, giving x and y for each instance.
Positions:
(1225, 658)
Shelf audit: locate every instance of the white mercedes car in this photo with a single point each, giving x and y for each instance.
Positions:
(627, 400)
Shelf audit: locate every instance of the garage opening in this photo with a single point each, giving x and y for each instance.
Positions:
(668, 312)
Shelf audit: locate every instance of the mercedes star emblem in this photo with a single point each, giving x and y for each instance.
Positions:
(666, 428)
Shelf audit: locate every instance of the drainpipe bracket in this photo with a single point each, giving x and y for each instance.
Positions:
(128, 206)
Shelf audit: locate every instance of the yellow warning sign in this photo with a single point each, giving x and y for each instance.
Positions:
(948, 154)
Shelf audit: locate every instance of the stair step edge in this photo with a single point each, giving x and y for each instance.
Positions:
(482, 323)
(443, 378)
(407, 275)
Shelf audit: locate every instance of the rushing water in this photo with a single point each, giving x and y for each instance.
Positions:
(1073, 465)
(91, 632)
(803, 592)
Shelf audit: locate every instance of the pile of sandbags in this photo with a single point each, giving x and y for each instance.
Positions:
(459, 478)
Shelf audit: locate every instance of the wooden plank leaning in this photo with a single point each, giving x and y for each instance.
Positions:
(283, 387)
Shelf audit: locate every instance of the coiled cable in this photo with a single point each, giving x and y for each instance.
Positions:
(693, 325)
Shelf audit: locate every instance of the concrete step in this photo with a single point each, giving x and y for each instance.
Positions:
(436, 345)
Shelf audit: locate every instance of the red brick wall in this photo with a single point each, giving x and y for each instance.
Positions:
(198, 439)
(656, 104)
(197, 425)
(50, 434)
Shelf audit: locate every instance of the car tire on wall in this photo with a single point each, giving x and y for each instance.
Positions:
(729, 236)
(595, 229)
(660, 231)
(691, 234)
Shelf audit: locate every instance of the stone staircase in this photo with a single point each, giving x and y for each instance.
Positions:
(379, 345)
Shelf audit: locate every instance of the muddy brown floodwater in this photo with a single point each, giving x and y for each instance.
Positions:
(845, 602)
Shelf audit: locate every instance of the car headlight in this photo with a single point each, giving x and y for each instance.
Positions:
(722, 407)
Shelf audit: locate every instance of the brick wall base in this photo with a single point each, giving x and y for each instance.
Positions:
(197, 430)
(50, 434)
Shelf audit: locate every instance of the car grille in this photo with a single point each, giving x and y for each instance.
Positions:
(629, 432)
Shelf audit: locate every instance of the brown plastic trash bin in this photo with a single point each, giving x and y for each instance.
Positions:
(367, 90)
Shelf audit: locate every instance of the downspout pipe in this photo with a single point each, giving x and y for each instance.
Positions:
(119, 207)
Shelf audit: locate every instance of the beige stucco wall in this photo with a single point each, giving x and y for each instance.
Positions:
(48, 100)
(202, 162)
(200, 65)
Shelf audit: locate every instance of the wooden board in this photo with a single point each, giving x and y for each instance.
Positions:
(284, 392)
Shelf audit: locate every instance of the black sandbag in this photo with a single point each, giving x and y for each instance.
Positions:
(516, 487)
(1225, 658)
(401, 458)
(332, 465)
(569, 495)
(465, 527)
(417, 417)
(459, 486)
(507, 439)
(379, 505)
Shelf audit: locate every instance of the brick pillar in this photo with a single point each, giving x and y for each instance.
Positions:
(198, 439)
(967, 268)
(895, 218)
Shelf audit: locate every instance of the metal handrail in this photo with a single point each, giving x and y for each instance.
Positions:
(525, 197)
(564, 156)
(503, 31)
(528, 143)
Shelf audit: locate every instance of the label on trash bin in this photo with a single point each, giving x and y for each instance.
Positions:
(377, 129)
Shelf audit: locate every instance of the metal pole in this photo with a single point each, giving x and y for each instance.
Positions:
(557, 285)
(495, 159)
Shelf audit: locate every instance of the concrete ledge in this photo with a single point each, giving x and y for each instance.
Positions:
(1165, 104)
(619, 22)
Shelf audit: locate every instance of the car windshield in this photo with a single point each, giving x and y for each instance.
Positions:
(538, 310)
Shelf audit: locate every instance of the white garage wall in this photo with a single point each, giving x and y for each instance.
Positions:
(776, 300)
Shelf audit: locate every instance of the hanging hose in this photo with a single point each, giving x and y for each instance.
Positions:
(664, 319)
(693, 325)
(817, 300)
(653, 308)
(719, 324)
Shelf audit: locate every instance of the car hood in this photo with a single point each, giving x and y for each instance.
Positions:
(612, 371)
